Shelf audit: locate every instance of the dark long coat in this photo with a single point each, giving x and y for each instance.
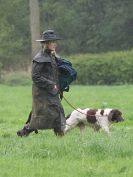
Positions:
(47, 111)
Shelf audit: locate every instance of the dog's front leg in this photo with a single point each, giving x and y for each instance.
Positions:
(104, 126)
(106, 129)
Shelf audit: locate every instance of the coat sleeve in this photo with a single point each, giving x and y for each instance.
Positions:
(38, 79)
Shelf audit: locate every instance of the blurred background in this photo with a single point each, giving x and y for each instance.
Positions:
(97, 38)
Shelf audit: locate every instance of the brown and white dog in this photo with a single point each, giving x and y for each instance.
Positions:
(95, 118)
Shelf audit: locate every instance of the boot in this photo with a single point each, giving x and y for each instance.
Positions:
(25, 131)
(58, 132)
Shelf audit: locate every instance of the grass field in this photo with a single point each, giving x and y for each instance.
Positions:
(44, 155)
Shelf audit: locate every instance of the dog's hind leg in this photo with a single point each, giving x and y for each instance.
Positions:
(70, 124)
(81, 127)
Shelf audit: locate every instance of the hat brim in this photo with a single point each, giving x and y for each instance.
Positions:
(45, 40)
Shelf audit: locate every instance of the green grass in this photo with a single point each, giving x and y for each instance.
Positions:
(45, 155)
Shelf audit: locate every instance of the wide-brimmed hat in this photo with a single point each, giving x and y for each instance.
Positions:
(48, 35)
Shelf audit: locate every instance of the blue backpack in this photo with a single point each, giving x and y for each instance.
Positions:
(67, 74)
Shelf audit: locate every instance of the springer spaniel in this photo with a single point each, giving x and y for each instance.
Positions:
(96, 118)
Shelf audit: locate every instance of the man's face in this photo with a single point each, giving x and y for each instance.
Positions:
(52, 45)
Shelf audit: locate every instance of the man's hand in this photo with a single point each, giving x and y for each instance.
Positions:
(55, 87)
(55, 90)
